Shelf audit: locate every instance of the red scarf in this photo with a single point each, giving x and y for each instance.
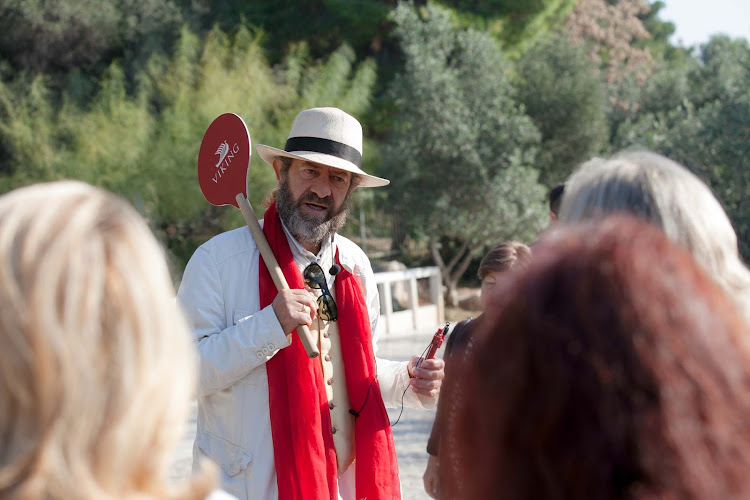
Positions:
(300, 419)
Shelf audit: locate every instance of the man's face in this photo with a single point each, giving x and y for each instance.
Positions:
(313, 200)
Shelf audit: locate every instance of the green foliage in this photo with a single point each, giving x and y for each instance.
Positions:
(324, 25)
(202, 81)
(699, 115)
(115, 93)
(517, 24)
(460, 147)
(27, 130)
(363, 24)
(144, 144)
(42, 36)
(563, 94)
(725, 71)
(524, 31)
(659, 33)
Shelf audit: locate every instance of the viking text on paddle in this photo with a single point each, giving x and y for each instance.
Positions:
(225, 158)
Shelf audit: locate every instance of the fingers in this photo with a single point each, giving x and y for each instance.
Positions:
(430, 477)
(430, 369)
(430, 488)
(412, 364)
(429, 388)
(294, 308)
(427, 379)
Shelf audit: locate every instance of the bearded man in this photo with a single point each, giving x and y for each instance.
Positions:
(279, 424)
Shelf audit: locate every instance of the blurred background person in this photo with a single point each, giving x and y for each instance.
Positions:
(665, 193)
(554, 197)
(96, 367)
(492, 272)
(599, 374)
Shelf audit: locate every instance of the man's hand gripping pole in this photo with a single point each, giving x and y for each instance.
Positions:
(305, 335)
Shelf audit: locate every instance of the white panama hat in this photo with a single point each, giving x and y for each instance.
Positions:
(327, 136)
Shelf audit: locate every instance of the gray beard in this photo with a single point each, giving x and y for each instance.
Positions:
(310, 228)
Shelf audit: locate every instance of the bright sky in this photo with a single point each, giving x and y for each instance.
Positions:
(696, 20)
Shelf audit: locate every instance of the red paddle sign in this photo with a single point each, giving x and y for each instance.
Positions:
(223, 160)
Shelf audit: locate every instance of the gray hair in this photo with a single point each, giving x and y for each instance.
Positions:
(665, 193)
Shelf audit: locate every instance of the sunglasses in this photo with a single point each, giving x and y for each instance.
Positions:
(316, 278)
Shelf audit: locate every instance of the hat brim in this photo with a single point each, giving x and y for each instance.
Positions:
(268, 153)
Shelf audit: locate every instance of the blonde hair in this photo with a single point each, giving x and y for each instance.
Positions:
(96, 365)
(665, 193)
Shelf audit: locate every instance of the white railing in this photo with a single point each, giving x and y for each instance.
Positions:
(419, 305)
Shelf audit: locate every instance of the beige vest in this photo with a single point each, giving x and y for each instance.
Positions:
(342, 422)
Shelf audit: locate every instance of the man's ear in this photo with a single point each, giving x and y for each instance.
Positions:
(277, 165)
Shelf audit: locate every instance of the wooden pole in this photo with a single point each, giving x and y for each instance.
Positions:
(273, 267)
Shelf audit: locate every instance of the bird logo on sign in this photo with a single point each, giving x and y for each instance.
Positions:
(222, 152)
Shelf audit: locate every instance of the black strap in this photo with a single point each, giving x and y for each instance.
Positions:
(325, 146)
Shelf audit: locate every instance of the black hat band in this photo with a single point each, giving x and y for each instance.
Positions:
(325, 146)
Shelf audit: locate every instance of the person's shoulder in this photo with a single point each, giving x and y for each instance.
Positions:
(229, 244)
(348, 245)
(464, 323)
(350, 253)
(462, 327)
(458, 337)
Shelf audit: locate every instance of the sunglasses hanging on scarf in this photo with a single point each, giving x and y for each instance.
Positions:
(315, 278)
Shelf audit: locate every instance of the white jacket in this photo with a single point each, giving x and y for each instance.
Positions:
(235, 338)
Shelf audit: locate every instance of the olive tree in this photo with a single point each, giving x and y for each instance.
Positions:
(460, 149)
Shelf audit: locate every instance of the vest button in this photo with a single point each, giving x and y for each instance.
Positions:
(330, 381)
(331, 406)
(325, 335)
(328, 358)
(333, 430)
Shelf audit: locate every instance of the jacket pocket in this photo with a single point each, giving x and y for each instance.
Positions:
(231, 458)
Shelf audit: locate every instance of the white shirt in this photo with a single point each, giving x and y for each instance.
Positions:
(235, 338)
(220, 495)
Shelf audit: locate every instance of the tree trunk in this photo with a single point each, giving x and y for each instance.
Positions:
(458, 267)
(451, 293)
(454, 270)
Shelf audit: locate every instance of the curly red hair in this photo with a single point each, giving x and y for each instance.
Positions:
(614, 368)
